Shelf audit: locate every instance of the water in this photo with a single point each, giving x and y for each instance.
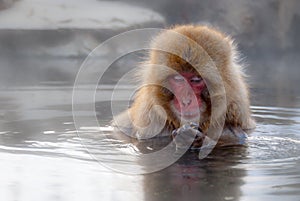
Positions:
(42, 157)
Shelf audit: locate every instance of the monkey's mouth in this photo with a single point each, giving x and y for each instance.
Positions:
(190, 114)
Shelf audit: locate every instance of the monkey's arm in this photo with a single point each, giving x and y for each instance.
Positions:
(230, 136)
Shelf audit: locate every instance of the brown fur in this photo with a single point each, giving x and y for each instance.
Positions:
(182, 54)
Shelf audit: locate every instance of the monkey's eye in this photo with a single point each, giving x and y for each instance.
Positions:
(196, 79)
(178, 78)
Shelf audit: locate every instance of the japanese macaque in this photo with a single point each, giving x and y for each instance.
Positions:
(192, 75)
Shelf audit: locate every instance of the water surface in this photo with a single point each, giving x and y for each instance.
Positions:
(42, 157)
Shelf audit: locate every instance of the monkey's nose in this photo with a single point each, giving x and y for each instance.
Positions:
(186, 101)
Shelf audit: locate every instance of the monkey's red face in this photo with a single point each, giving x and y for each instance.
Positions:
(187, 89)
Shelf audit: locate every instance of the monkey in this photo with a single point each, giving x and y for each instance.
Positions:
(189, 71)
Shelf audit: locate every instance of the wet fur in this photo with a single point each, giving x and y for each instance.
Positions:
(221, 50)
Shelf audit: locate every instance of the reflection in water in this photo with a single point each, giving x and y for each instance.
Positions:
(43, 158)
(214, 178)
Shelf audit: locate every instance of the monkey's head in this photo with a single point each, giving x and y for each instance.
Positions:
(188, 65)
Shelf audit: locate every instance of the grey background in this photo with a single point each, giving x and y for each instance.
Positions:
(266, 32)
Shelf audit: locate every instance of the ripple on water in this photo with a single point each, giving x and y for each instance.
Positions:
(275, 143)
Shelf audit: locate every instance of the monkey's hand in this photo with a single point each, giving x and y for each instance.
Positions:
(232, 136)
(185, 136)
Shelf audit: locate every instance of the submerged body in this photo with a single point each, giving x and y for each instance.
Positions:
(192, 75)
